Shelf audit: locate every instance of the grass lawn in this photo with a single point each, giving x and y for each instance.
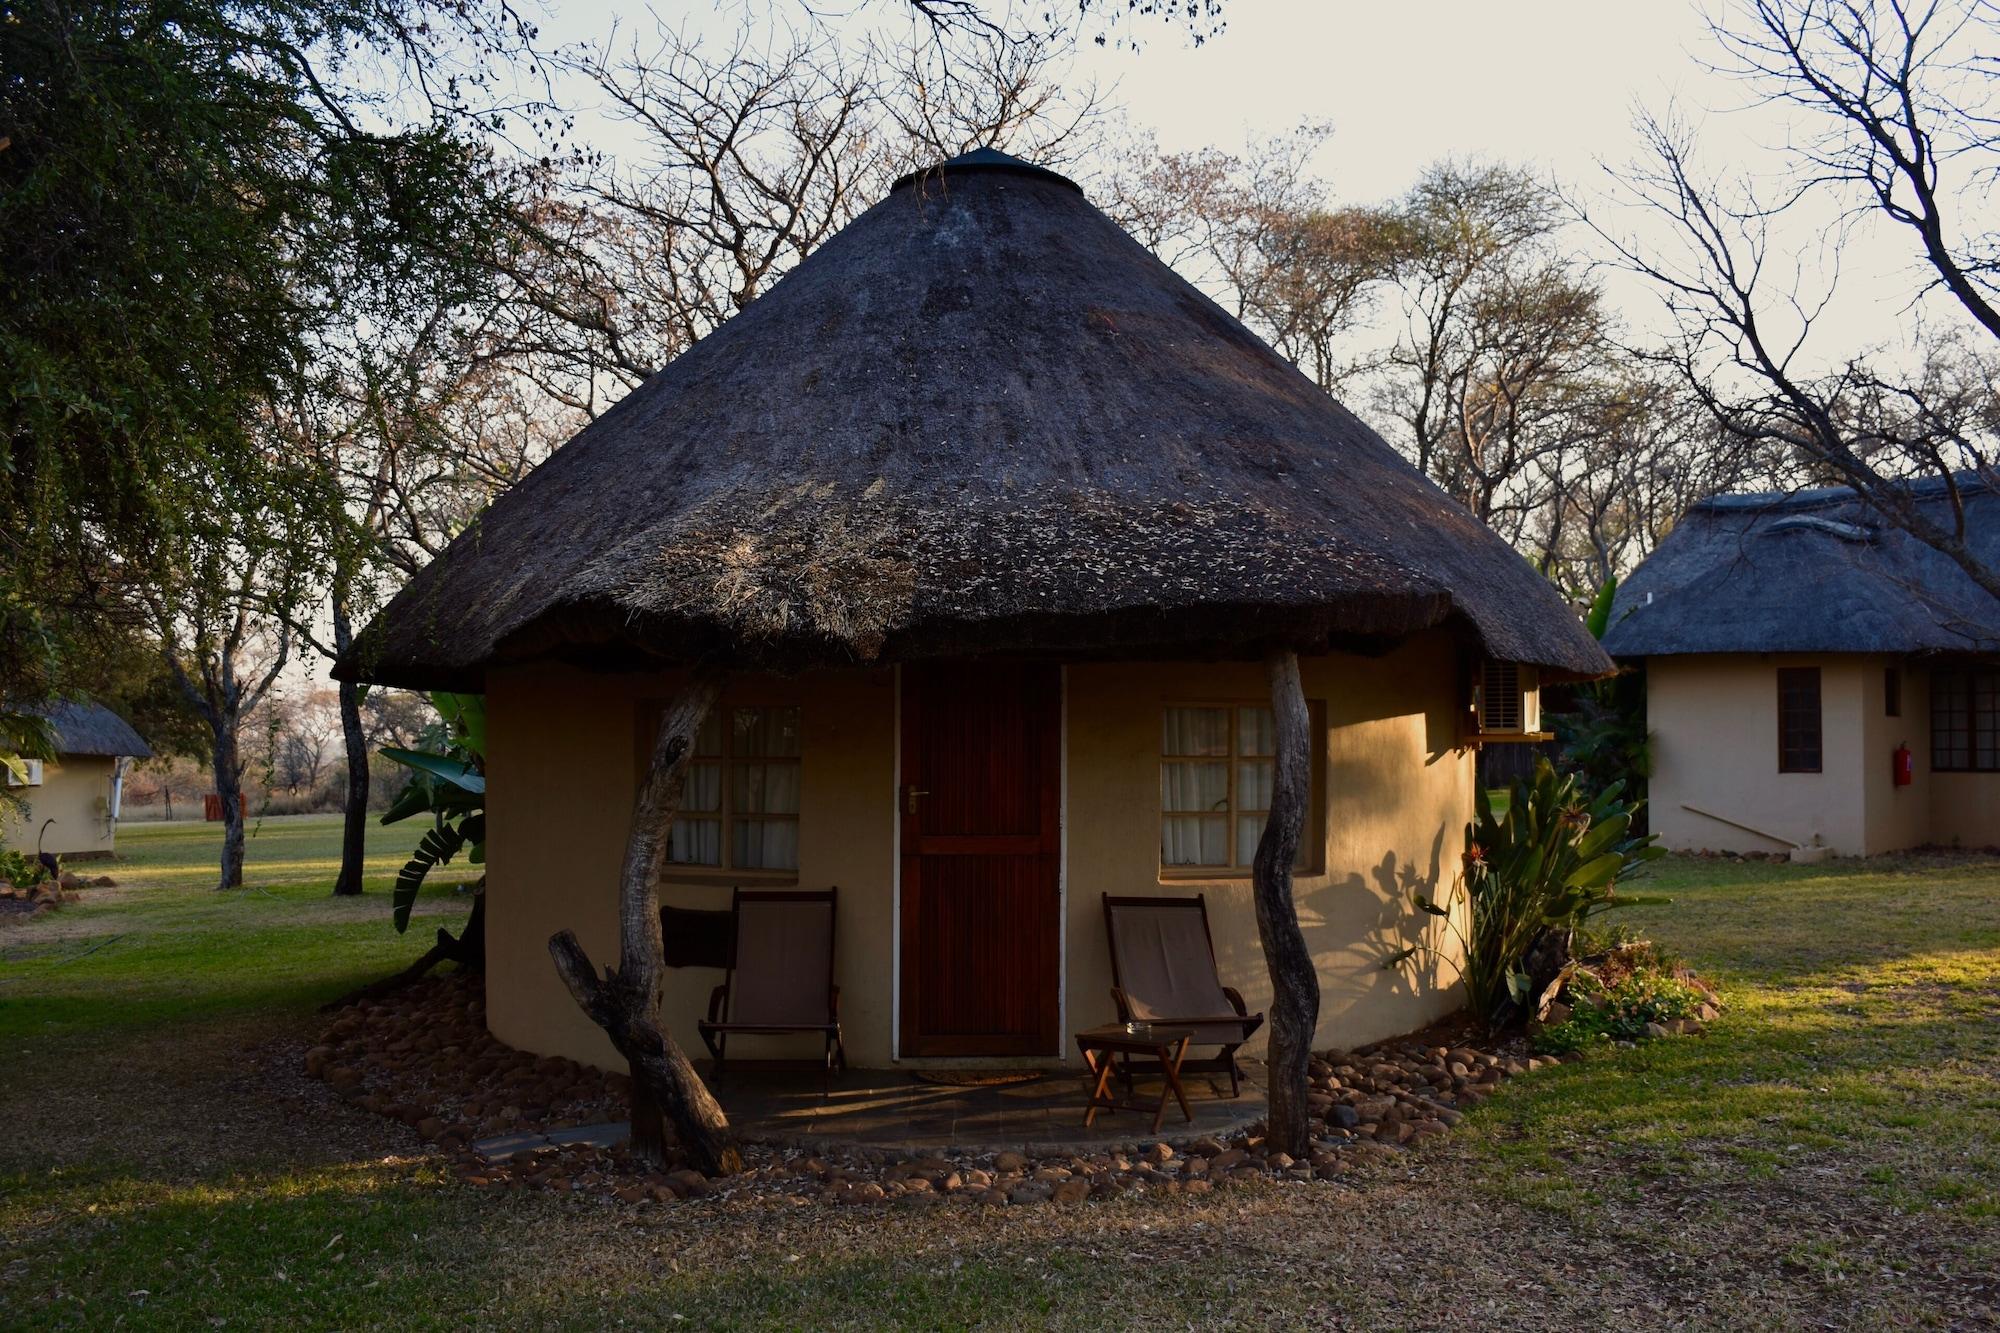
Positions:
(1829, 1154)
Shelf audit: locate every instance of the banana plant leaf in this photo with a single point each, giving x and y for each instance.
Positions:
(458, 772)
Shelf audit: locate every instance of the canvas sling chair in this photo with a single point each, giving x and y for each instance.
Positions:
(780, 974)
(1163, 970)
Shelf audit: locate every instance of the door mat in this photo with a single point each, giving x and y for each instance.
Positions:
(977, 1078)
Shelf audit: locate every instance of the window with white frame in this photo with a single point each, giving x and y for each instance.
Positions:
(741, 807)
(1217, 768)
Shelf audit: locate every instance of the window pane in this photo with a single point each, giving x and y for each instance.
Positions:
(1196, 731)
(1798, 720)
(1249, 828)
(1986, 720)
(695, 842)
(767, 731)
(765, 789)
(765, 844)
(1951, 720)
(1194, 840)
(1194, 787)
(709, 739)
(704, 788)
(1256, 731)
(1254, 780)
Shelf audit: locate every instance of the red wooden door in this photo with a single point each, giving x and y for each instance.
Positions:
(981, 810)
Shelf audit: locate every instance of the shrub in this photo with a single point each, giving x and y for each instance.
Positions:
(1533, 874)
(1619, 1012)
(19, 869)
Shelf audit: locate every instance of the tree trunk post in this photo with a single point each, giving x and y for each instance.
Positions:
(229, 790)
(625, 1001)
(354, 826)
(1294, 982)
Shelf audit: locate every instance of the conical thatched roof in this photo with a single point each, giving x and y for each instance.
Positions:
(83, 727)
(981, 418)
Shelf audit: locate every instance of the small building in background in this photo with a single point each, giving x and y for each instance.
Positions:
(1816, 677)
(76, 796)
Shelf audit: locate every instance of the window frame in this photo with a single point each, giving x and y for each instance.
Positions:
(1790, 679)
(1312, 842)
(1970, 674)
(724, 712)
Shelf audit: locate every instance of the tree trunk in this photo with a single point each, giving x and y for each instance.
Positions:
(1294, 982)
(625, 1001)
(229, 788)
(354, 828)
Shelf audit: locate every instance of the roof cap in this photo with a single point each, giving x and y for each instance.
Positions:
(984, 159)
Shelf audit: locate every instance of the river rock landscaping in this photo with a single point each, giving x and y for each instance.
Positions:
(424, 1056)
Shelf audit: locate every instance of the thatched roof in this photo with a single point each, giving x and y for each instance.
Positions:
(1810, 571)
(981, 418)
(85, 728)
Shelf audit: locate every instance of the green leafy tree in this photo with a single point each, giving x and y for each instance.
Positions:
(202, 205)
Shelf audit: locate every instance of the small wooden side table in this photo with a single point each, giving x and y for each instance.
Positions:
(1101, 1046)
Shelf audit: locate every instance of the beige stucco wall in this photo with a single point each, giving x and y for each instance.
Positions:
(562, 769)
(76, 793)
(1714, 722)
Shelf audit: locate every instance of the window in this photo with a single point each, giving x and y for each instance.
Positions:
(1798, 720)
(1965, 720)
(1892, 692)
(1217, 769)
(741, 807)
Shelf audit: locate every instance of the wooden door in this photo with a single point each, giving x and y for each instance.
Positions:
(981, 811)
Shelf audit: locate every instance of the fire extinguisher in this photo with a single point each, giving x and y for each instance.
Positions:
(1905, 774)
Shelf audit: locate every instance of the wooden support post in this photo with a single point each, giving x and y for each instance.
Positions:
(625, 1001)
(1294, 982)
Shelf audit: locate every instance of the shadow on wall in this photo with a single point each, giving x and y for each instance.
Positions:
(1353, 925)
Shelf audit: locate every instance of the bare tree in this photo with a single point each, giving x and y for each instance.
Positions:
(226, 652)
(1900, 102)
(1259, 231)
(749, 158)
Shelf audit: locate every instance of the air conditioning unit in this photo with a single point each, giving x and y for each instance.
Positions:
(23, 772)
(1506, 702)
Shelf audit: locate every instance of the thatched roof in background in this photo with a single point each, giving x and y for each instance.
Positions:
(1810, 571)
(91, 729)
(981, 418)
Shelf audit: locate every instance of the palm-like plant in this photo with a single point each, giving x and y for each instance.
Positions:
(1533, 874)
(448, 783)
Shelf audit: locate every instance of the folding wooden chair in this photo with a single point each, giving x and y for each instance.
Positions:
(1163, 964)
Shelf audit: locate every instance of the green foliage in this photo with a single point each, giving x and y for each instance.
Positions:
(19, 869)
(1535, 871)
(197, 201)
(1602, 734)
(447, 783)
(1619, 1012)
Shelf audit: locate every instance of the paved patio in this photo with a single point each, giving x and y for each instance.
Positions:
(1040, 1115)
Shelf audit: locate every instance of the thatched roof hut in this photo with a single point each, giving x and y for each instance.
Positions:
(981, 416)
(1817, 678)
(83, 727)
(1813, 571)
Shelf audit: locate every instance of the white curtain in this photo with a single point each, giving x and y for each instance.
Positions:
(766, 789)
(1195, 731)
(696, 842)
(1194, 840)
(766, 844)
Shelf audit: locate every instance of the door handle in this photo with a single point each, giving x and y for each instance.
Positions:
(910, 799)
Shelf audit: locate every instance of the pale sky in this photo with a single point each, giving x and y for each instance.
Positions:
(1552, 85)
